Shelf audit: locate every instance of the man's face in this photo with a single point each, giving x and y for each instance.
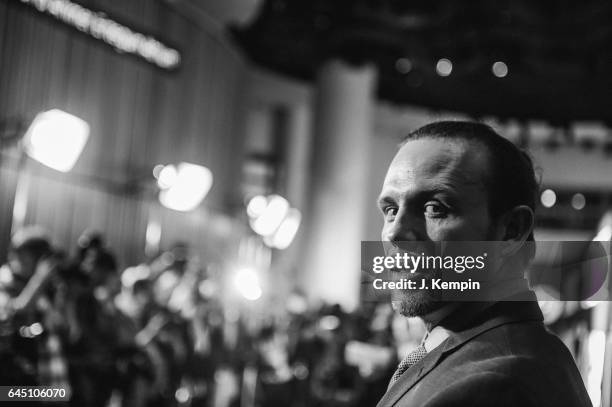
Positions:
(434, 191)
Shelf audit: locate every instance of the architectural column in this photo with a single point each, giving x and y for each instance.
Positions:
(334, 223)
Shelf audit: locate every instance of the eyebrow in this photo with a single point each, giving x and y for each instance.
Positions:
(387, 196)
(382, 200)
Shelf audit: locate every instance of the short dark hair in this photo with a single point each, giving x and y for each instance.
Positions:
(511, 179)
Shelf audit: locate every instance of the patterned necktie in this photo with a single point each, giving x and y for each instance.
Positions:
(410, 359)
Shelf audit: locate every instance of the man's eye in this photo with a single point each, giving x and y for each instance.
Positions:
(389, 211)
(435, 209)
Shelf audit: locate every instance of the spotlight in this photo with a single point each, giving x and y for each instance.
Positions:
(185, 186)
(56, 139)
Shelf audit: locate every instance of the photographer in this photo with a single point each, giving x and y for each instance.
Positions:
(30, 349)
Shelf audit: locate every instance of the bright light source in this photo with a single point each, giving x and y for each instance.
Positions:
(444, 67)
(548, 198)
(56, 139)
(274, 219)
(246, 282)
(272, 216)
(188, 189)
(500, 69)
(166, 177)
(578, 201)
(282, 238)
(257, 205)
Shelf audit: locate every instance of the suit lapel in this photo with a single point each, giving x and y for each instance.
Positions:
(497, 315)
(411, 377)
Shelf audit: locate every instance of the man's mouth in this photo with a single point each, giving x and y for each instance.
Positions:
(397, 275)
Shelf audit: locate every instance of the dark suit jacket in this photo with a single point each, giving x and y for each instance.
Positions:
(503, 357)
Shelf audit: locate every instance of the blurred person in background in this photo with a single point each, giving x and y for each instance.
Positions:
(160, 302)
(97, 330)
(30, 322)
(333, 381)
(275, 385)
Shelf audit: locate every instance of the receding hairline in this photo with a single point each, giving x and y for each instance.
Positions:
(465, 142)
(458, 138)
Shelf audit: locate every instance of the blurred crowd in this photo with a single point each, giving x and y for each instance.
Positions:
(162, 334)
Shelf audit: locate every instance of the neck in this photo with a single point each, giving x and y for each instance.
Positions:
(434, 318)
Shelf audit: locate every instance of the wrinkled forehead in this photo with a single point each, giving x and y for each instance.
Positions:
(455, 162)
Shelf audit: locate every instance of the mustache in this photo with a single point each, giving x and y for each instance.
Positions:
(411, 249)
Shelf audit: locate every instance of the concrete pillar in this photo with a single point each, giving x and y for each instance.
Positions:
(334, 223)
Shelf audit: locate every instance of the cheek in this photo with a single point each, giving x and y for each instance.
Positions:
(383, 231)
(458, 229)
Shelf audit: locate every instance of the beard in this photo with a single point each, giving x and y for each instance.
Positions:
(417, 303)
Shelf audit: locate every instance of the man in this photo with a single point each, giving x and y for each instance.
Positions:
(460, 181)
(95, 329)
(29, 350)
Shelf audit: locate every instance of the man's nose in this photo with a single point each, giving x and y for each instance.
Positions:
(405, 227)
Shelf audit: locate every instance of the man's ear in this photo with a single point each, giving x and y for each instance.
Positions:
(518, 225)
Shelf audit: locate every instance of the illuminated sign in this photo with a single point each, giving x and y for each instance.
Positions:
(99, 26)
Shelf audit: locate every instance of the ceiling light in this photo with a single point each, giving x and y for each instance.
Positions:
(548, 198)
(444, 67)
(578, 201)
(500, 69)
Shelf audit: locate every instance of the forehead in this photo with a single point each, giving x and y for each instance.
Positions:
(455, 163)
